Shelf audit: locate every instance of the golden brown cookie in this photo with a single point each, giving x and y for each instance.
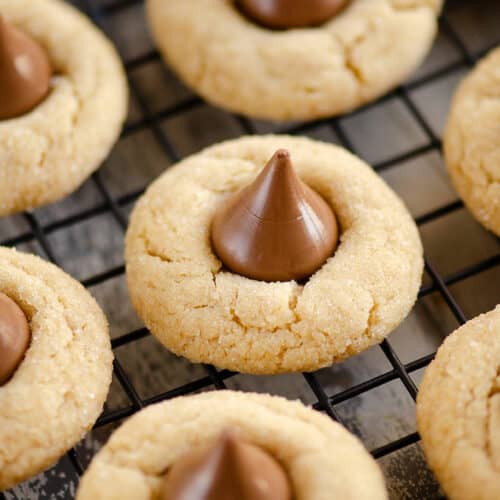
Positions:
(201, 311)
(471, 141)
(298, 74)
(322, 459)
(58, 391)
(48, 152)
(458, 410)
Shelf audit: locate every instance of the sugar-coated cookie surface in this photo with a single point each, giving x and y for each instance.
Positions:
(322, 459)
(58, 391)
(369, 48)
(458, 410)
(472, 141)
(48, 152)
(199, 310)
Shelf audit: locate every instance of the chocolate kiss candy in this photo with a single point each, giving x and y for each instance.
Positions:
(283, 14)
(24, 72)
(14, 337)
(275, 229)
(230, 470)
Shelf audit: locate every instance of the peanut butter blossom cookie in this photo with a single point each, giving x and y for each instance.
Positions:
(293, 59)
(55, 364)
(458, 410)
(63, 99)
(272, 254)
(228, 445)
(472, 141)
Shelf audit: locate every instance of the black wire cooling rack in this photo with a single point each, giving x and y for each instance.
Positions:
(116, 207)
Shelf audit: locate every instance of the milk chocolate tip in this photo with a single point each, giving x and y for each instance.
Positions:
(288, 14)
(14, 337)
(25, 72)
(277, 228)
(229, 469)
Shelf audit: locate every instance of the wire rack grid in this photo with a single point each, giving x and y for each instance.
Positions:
(151, 119)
